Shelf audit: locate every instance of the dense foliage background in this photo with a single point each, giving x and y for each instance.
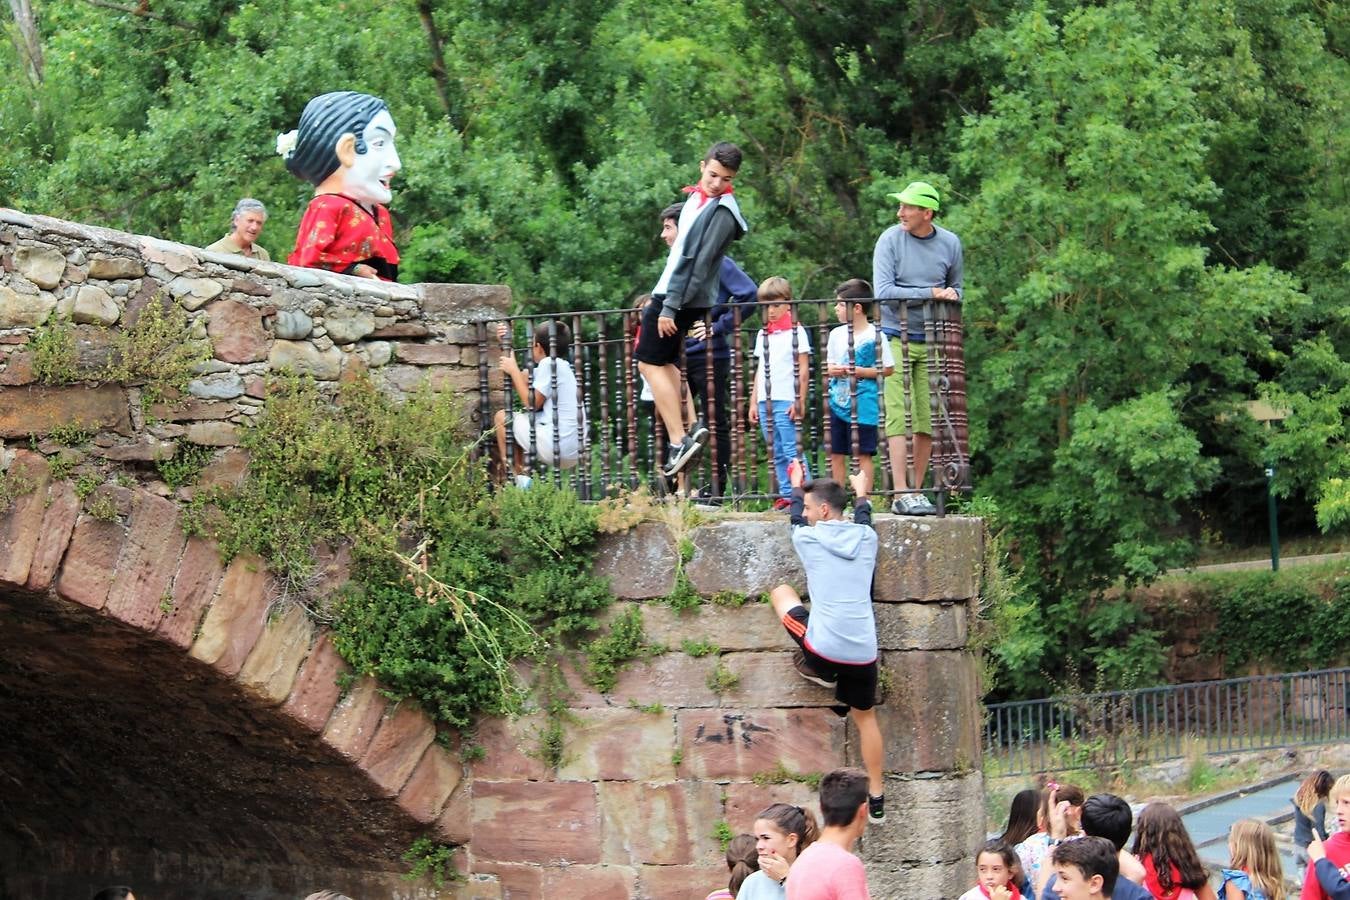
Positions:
(1152, 195)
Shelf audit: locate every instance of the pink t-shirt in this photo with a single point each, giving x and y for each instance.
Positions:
(827, 871)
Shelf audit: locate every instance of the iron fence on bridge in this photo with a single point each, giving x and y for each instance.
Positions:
(622, 441)
(1116, 729)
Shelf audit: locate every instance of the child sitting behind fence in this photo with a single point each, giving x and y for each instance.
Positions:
(784, 353)
(550, 402)
(844, 401)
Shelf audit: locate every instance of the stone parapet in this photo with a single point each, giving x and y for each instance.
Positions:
(254, 320)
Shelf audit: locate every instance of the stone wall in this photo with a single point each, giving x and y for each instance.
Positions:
(145, 676)
(259, 319)
(651, 767)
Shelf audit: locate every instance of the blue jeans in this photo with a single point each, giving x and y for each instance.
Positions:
(784, 445)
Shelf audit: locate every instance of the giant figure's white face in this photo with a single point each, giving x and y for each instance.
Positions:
(367, 180)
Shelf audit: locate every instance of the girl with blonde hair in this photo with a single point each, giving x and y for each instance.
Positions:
(1255, 872)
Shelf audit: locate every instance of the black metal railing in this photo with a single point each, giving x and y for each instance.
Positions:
(1114, 729)
(622, 441)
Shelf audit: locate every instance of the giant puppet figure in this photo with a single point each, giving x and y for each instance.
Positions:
(345, 148)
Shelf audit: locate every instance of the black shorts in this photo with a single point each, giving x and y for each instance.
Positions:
(855, 685)
(663, 351)
(841, 436)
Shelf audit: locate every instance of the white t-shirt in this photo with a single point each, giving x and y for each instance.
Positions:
(780, 363)
(566, 400)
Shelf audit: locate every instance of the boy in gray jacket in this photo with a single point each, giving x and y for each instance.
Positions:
(837, 640)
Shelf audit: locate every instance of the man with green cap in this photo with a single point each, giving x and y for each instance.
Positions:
(914, 261)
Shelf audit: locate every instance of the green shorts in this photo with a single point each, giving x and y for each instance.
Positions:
(920, 414)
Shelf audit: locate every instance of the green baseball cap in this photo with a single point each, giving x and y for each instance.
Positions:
(919, 193)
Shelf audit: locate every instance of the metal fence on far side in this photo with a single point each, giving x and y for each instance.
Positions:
(1115, 729)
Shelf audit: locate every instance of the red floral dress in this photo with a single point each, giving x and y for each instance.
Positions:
(337, 234)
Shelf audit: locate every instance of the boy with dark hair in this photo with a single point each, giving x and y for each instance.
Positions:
(708, 340)
(1110, 817)
(837, 640)
(828, 870)
(708, 223)
(1085, 869)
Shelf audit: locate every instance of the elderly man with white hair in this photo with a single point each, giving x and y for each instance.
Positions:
(246, 223)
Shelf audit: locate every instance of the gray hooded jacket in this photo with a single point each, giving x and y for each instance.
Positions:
(839, 557)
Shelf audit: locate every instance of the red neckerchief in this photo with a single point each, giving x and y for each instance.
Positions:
(702, 197)
(782, 323)
(1154, 887)
(1012, 886)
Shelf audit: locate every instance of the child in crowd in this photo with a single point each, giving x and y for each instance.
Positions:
(1085, 869)
(781, 833)
(784, 354)
(837, 640)
(1310, 815)
(1255, 873)
(1062, 800)
(742, 862)
(1172, 867)
(553, 414)
(1104, 816)
(1329, 866)
(1023, 822)
(994, 865)
(852, 360)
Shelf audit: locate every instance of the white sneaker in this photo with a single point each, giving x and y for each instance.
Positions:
(524, 481)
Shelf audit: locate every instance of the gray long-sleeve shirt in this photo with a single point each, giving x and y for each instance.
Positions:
(907, 268)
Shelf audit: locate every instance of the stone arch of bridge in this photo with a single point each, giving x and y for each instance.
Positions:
(159, 724)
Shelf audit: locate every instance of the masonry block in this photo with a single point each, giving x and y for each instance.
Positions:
(199, 574)
(751, 626)
(680, 882)
(315, 692)
(590, 881)
(272, 665)
(436, 776)
(738, 744)
(660, 824)
(552, 823)
(39, 409)
(464, 302)
(356, 719)
(639, 563)
(140, 593)
(953, 804)
(235, 620)
(619, 745)
(455, 823)
(58, 522)
(922, 626)
(770, 679)
(672, 679)
(518, 881)
(747, 555)
(745, 800)
(931, 716)
(402, 738)
(91, 562)
(21, 524)
(928, 559)
(510, 749)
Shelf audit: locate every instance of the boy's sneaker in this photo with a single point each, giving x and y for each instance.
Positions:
(523, 482)
(680, 455)
(699, 432)
(876, 809)
(781, 503)
(804, 669)
(913, 505)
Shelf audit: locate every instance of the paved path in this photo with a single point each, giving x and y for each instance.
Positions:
(1285, 561)
(1208, 822)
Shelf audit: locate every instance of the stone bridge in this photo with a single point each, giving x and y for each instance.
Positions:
(165, 726)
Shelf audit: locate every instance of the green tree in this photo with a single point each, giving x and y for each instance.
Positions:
(1094, 308)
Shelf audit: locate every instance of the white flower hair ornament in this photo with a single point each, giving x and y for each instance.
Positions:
(286, 144)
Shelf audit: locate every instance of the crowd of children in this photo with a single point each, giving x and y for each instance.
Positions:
(1060, 844)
